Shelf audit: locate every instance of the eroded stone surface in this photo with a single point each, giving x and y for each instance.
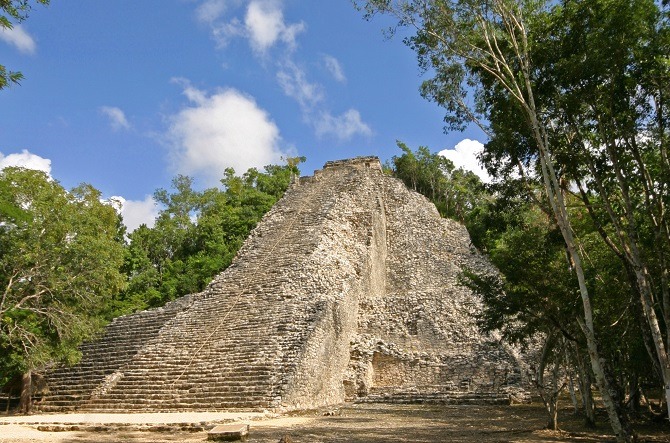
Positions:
(347, 289)
(233, 432)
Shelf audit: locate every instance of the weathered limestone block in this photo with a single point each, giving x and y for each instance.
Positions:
(232, 432)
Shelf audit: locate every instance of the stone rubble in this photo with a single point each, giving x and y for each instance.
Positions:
(346, 290)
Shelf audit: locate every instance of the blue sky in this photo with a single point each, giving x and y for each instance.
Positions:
(125, 94)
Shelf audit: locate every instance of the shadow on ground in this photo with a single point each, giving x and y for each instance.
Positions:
(403, 423)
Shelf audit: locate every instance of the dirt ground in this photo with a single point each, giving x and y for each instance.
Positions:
(375, 423)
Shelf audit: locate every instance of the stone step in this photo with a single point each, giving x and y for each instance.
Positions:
(138, 386)
(64, 398)
(219, 353)
(183, 402)
(177, 407)
(64, 380)
(58, 408)
(168, 396)
(437, 397)
(197, 371)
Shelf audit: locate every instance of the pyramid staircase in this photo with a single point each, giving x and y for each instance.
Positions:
(233, 346)
(123, 337)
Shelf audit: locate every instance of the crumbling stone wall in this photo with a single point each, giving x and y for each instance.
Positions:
(347, 289)
(420, 333)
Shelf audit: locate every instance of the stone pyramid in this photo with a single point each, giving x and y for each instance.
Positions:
(346, 290)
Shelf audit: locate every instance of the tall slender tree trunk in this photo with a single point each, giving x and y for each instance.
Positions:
(523, 90)
(9, 399)
(655, 329)
(556, 389)
(25, 403)
(573, 394)
(551, 391)
(634, 394)
(554, 194)
(585, 384)
(628, 234)
(552, 408)
(569, 367)
(588, 403)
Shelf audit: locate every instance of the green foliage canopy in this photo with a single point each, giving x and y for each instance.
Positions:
(455, 192)
(60, 254)
(196, 234)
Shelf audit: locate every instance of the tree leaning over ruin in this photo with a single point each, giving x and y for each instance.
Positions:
(60, 254)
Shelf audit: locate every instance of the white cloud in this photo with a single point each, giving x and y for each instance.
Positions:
(343, 127)
(224, 32)
(211, 13)
(26, 160)
(19, 38)
(265, 25)
(136, 212)
(464, 155)
(225, 129)
(116, 117)
(294, 83)
(335, 68)
(211, 10)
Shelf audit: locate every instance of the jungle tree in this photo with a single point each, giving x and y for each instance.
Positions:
(497, 63)
(60, 254)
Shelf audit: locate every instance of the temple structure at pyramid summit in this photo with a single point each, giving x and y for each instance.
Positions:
(346, 290)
